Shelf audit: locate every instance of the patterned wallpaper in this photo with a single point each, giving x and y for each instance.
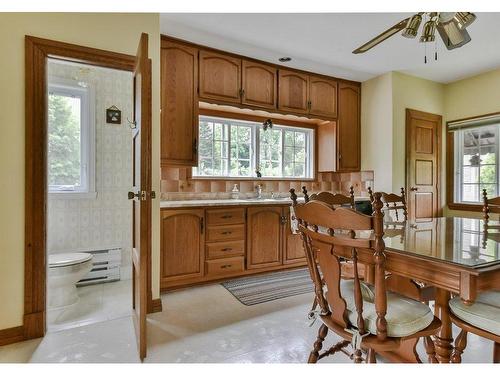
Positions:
(105, 221)
(177, 183)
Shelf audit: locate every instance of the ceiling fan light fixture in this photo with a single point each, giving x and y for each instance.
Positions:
(411, 29)
(428, 33)
(464, 19)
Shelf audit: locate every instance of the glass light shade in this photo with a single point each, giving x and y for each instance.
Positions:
(429, 31)
(411, 29)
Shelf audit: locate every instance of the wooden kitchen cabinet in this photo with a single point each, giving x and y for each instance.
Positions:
(264, 236)
(179, 104)
(293, 90)
(182, 244)
(322, 97)
(293, 249)
(349, 128)
(220, 77)
(259, 85)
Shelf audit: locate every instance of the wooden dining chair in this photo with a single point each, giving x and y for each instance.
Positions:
(367, 317)
(487, 203)
(393, 203)
(481, 318)
(330, 198)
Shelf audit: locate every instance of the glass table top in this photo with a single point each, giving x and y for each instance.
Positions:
(456, 240)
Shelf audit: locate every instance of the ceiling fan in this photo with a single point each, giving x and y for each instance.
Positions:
(451, 27)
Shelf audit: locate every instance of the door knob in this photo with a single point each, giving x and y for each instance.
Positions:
(141, 194)
(413, 188)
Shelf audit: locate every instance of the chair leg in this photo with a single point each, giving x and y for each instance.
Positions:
(496, 352)
(370, 358)
(460, 344)
(318, 344)
(430, 349)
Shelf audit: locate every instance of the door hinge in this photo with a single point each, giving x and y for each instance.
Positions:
(152, 194)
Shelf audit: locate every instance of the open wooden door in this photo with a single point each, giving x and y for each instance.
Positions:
(423, 174)
(141, 194)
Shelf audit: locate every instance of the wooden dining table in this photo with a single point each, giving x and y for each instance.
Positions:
(455, 255)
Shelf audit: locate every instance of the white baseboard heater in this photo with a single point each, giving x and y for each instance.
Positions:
(105, 266)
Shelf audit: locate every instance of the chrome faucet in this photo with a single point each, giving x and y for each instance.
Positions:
(258, 190)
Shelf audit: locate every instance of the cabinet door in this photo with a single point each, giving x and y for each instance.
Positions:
(293, 248)
(220, 77)
(264, 237)
(260, 83)
(179, 104)
(322, 97)
(182, 244)
(293, 92)
(349, 129)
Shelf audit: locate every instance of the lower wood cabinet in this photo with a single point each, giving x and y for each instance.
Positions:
(203, 245)
(182, 244)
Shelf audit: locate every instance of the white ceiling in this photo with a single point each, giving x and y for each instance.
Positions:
(323, 42)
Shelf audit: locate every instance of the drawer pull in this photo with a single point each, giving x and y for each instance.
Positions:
(227, 249)
(226, 216)
(225, 266)
(229, 232)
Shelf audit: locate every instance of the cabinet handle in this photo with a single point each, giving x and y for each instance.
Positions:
(227, 232)
(340, 156)
(227, 216)
(309, 104)
(284, 220)
(225, 266)
(242, 93)
(227, 249)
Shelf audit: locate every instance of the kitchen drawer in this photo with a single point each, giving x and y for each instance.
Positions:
(224, 266)
(226, 232)
(226, 216)
(225, 249)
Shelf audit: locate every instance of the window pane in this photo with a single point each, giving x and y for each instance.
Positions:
(288, 138)
(488, 174)
(244, 168)
(205, 148)
(64, 149)
(244, 151)
(299, 139)
(288, 170)
(300, 155)
(288, 154)
(299, 170)
(205, 167)
(206, 131)
(490, 190)
(470, 174)
(470, 193)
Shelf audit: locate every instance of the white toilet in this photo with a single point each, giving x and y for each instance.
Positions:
(65, 270)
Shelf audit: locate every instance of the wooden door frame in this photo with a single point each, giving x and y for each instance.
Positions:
(413, 113)
(37, 51)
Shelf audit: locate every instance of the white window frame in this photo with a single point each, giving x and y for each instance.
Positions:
(255, 151)
(86, 94)
(458, 167)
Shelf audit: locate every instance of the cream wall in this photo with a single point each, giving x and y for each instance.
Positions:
(376, 130)
(474, 96)
(115, 32)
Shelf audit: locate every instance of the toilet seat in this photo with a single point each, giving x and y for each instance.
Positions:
(68, 259)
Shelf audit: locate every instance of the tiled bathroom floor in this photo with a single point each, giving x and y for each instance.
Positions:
(98, 303)
(203, 324)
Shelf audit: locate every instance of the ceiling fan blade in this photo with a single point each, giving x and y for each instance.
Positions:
(452, 36)
(381, 37)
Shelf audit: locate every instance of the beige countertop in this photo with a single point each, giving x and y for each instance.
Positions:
(233, 202)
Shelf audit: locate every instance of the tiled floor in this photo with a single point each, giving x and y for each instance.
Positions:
(98, 303)
(204, 324)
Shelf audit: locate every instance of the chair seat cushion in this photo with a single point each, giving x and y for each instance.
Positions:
(484, 313)
(404, 317)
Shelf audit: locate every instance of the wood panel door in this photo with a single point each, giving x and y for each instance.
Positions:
(259, 85)
(423, 145)
(182, 244)
(179, 104)
(349, 128)
(293, 92)
(142, 194)
(264, 237)
(293, 245)
(322, 97)
(220, 77)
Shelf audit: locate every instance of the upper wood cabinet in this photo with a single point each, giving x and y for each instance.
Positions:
(322, 97)
(327, 159)
(220, 77)
(349, 128)
(182, 244)
(179, 104)
(264, 237)
(293, 92)
(259, 85)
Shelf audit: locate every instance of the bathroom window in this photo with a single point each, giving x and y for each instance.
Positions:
(236, 148)
(71, 149)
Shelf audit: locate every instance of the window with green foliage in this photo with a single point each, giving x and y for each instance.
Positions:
(236, 148)
(476, 163)
(70, 138)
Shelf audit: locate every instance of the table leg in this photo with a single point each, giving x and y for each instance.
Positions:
(444, 338)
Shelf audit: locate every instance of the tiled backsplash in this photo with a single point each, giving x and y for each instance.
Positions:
(177, 183)
(102, 222)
